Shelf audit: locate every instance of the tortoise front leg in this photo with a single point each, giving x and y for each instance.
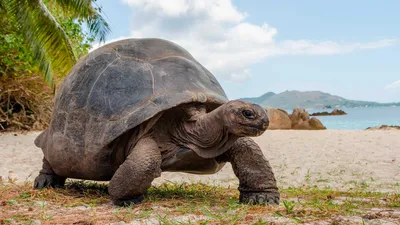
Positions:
(257, 183)
(134, 176)
(48, 178)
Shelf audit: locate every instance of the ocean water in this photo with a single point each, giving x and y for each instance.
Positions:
(361, 118)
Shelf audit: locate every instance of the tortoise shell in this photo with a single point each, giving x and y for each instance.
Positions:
(121, 85)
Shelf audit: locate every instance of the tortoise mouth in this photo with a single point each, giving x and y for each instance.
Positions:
(252, 130)
(262, 126)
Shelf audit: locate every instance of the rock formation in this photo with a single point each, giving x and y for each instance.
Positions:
(311, 124)
(278, 119)
(335, 112)
(299, 115)
(298, 120)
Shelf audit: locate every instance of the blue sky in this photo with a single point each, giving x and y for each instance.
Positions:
(347, 48)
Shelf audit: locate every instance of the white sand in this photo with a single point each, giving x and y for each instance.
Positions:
(339, 159)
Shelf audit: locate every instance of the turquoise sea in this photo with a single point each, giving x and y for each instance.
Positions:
(361, 118)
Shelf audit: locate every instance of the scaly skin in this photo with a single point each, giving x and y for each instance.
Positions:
(257, 183)
(134, 176)
(47, 177)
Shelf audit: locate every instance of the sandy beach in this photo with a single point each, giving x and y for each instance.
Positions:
(332, 158)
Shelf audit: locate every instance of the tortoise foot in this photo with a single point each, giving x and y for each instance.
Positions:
(48, 180)
(129, 202)
(259, 198)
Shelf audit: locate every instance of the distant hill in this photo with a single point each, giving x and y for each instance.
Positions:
(260, 100)
(310, 100)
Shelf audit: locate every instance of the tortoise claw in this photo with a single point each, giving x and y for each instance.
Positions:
(260, 198)
(48, 180)
(128, 202)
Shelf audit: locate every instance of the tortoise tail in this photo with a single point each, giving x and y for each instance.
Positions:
(41, 139)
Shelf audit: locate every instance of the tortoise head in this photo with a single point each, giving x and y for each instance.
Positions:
(244, 118)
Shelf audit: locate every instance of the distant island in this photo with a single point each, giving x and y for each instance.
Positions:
(311, 100)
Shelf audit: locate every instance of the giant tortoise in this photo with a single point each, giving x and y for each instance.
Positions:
(134, 108)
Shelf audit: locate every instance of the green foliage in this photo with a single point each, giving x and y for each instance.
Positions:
(28, 53)
(17, 59)
(289, 206)
(47, 36)
(80, 40)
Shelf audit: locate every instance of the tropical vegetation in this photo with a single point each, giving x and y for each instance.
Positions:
(41, 39)
(51, 29)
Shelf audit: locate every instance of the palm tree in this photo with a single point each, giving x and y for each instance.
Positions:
(49, 44)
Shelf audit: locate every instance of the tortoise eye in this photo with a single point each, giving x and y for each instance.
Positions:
(248, 114)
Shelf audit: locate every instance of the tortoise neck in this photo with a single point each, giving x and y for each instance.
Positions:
(208, 129)
(207, 135)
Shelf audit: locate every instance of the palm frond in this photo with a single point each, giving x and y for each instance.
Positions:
(50, 44)
(43, 64)
(98, 26)
(83, 9)
(43, 34)
(79, 8)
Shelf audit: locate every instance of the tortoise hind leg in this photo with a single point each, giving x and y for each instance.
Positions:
(135, 175)
(47, 177)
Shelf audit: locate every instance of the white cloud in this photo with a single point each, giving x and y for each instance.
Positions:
(327, 47)
(240, 75)
(221, 10)
(216, 34)
(394, 85)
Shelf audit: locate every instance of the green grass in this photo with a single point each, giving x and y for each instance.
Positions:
(89, 203)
